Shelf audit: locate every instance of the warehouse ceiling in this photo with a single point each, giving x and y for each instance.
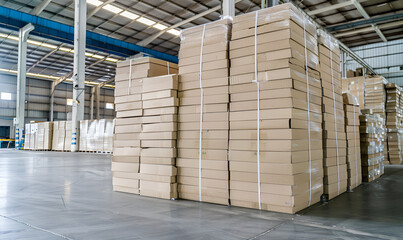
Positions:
(136, 20)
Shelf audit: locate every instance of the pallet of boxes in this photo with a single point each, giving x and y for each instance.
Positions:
(334, 135)
(59, 135)
(372, 132)
(144, 152)
(203, 113)
(352, 126)
(393, 123)
(275, 146)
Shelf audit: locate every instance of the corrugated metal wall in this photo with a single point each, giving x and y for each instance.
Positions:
(385, 58)
(38, 99)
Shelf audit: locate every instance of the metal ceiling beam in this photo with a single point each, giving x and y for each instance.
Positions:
(368, 29)
(95, 10)
(150, 39)
(13, 19)
(331, 7)
(106, 82)
(62, 79)
(41, 6)
(43, 58)
(362, 11)
(373, 20)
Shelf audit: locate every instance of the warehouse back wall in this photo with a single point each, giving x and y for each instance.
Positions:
(38, 101)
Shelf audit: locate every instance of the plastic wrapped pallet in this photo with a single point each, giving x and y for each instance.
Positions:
(130, 117)
(334, 135)
(48, 135)
(352, 124)
(67, 136)
(91, 135)
(59, 135)
(203, 113)
(372, 132)
(370, 92)
(393, 123)
(108, 135)
(83, 135)
(27, 144)
(275, 146)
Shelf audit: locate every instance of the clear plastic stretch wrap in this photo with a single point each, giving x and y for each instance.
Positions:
(59, 135)
(334, 141)
(372, 134)
(352, 121)
(393, 124)
(203, 113)
(275, 143)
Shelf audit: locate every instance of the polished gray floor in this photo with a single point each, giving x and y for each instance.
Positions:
(54, 195)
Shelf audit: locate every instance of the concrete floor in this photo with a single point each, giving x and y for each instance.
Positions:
(52, 195)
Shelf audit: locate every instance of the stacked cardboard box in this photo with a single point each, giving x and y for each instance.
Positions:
(108, 136)
(334, 135)
(393, 123)
(27, 143)
(355, 86)
(352, 122)
(372, 130)
(67, 136)
(83, 135)
(132, 115)
(375, 95)
(158, 137)
(203, 113)
(275, 147)
(59, 135)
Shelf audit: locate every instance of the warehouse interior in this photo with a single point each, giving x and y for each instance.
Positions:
(216, 119)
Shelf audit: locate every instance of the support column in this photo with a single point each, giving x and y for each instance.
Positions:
(80, 23)
(52, 101)
(92, 103)
(228, 8)
(98, 101)
(21, 85)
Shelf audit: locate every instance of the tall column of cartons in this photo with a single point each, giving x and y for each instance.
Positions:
(83, 135)
(48, 136)
(352, 124)
(334, 135)
(203, 113)
(55, 134)
(40, 136)
(67, 136)
(372, 130)
(129, 119)
(158, 137)
(275, 147)
(107, 136)
(34, 135)
(393, 116)
(27, 143)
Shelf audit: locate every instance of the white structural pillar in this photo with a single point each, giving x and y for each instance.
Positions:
(52, 101)
(21, 85)
(228, 8)
(92, 103)
(80, 23)
(98, 101)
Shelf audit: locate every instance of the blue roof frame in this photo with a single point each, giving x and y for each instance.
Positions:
(46, 28)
